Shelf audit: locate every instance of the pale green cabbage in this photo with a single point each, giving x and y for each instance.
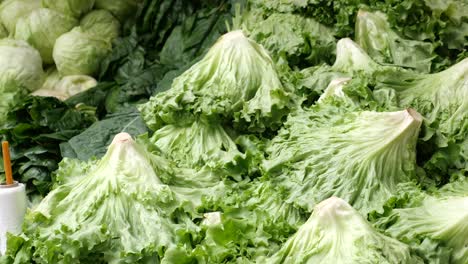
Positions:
(79, 53)
(102, 24)
(41, 28)
(74, 8)
(20, 66)
(63, 88)
(12, 10)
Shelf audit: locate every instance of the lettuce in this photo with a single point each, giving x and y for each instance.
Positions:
(337, 233)
(203, 142)
(375, 36)
(351, 62)
(236, 80)
(299, 40)
(360, 157)
(441, 99)
(121, 216)
(435, 226)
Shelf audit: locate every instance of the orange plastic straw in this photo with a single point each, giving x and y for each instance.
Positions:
(7, 163)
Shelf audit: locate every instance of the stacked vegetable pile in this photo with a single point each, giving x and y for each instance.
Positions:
(240, 131)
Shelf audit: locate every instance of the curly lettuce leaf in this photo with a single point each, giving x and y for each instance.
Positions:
(441, 99)
(337, 233)
(360, 157)
(435, 227)
(121, 215)
(301, 41)
(236, 80)
(375, 36)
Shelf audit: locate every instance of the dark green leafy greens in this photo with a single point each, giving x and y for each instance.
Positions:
(34, 128)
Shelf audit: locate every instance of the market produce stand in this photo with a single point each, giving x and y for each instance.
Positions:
(233, 131)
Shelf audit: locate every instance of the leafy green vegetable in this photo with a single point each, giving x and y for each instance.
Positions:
(41, 28)
(351, 61)
(434, 226)
(300, 40)
(236, 80)
(441, 99)
(20, 72)
(360, 157)
(3, 31)
(93, 141)
(444, 23)
(79, 53)
(74, 8)
(101, 23)
(12, 10)
(337, 233)
(21, 66)
(196, 144)
(65, 87)
(374, 35)
(35, 126)
(121, 215)
(121, 9)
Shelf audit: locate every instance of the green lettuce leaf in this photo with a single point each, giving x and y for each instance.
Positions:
(236, 80)
(337, 233)
(300, 40)
(122, 213)
(360, 157)
(435, 226)
(441, 99)
(203, 142)
(351, 61)
(375, 36)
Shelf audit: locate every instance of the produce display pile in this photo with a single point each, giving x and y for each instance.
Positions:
(237, 131)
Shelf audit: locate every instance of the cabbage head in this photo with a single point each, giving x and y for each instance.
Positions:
(74, 8)
(41, 28)
(121, 9)
(65, 87)
(102, 24)
(20, 66)
(79, 53)
(12, 10)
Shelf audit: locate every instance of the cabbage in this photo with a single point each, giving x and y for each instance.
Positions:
(236, 79)
(20, 66)
(74, 8)
(360, 157)
(337, 233)
(374, 35)
(41, 28)
(79, 53)
(102, 24)
(121, 9)
(12, 10)
(63, 88)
